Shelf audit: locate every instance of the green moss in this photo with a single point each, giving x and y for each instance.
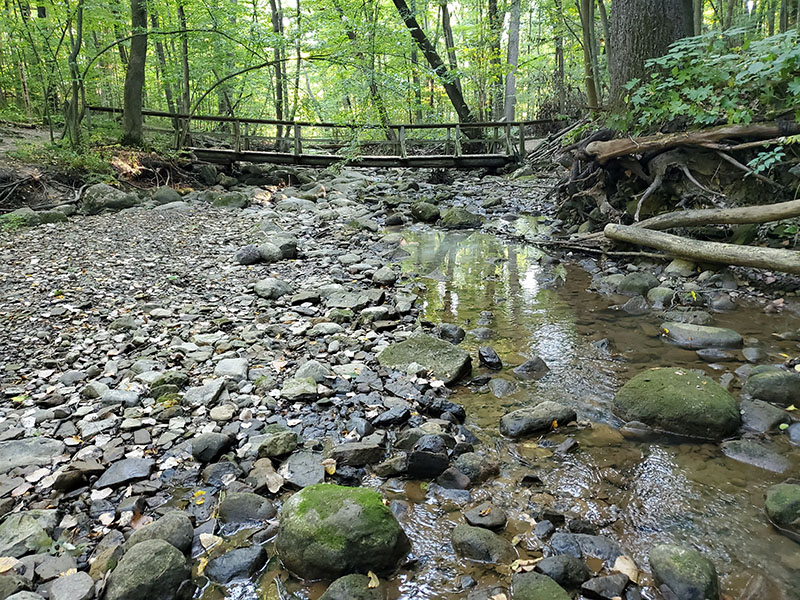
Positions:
(783, 504)
(326, 499)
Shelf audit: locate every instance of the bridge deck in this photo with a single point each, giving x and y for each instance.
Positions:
(437, 161)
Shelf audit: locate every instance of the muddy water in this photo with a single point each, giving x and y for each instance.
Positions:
(639, 493)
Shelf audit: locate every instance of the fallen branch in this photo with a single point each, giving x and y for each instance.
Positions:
(602, 152)
(785, 261)
(724, 216)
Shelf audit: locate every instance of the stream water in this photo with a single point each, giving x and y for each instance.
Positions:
(638, 493)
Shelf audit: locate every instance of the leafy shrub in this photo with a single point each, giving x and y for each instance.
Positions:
(90, 165)
(709, 79)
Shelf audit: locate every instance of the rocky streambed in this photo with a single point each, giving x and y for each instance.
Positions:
(366, 386)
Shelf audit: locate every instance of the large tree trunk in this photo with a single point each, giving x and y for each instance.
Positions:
(132, 134)
(513, 60)
(640, 30)
(452, 90)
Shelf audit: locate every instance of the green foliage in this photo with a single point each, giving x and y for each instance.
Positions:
(764, 161)
(715, 79)
(91, 165)
(12, 223)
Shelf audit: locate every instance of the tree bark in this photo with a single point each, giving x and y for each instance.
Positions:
(132, 134)
(452, 90)
(72, 109)
(698, 16)
(727, 216)
(786, 261)
(450, 43)
(495, 69)
(162, 62)
(277, 29)
(513, 60)
(587, 25)
(641, 30)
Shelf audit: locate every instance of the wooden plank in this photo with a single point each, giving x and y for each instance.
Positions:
(465, 161)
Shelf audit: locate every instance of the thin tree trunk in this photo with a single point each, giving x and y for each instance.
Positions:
(586, 9)
(452, 90)
(698, 16)
(495, 69)
(72, 109)
(559, 75)
(132, 134)
(162, 62)
(450, 42)
(601, 6)
(415, 81)
(276, 28)
(513, 60)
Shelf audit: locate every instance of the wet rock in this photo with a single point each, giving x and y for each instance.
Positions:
(447, 362)
(539, 418)
(396, 465)
(221, 474)
(174, 527)
(605, 588)
(240, 563)
(755, 454)
(477, 543)
(271, 288)
(327, 531)
(106, 554)
(489, 358)
(794, 433)
(715, 355)
(353, 587)
(451, 333)
(582, 545)
(232, 368)
(679, 401)
(249, 255)
(245, 507)
(26, 531)
(384, 276)
(660, 297)
(535, 586)
(396, 415)
(478, 468)
(151, 569)
(34, 451)
(543, 529)
(101, 197)
(693, 337)
(681, 268)
(425, 212)
(774, 385)
(565, 570)
(501, 388)
(486, 515)
(208, 447)
(357, 454)
(303, 469)
(761, 416)
(299, 389)
(637, 284)
(460, 218)
(783, 506)
(426, 465)
(278, 441)
(692, 317)
(685, 572)
(453, 479)
(125, 471)
(534, 368)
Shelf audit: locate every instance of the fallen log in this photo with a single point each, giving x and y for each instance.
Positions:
(773, 259)
(602, 152)
(724, 216)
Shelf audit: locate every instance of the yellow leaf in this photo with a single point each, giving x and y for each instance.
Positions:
(7, 563)
(330, 465)
(555, 424)
(624, 564)
(201, 565)
(373, 580)
(199, 493)
(791, 407)
(71, 571)
(486, 511)
(200, 501)
(525, 566)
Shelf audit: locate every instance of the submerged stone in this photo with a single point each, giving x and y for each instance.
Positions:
(783, 506)
(685, 572)
(535, 586)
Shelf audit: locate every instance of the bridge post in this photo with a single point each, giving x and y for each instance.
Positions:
(509, 145)
(402, 136)
(522, 141)
(447, 141)
(457, 152)
(298, 144)
(237, 136)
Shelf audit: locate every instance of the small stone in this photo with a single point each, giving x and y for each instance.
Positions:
(240, 563)
(271, 288)
(489, 358)
(245, 507)
(174, 527)
(486, 515)
(540, 418)
(233, 368)
(249, 255)
(208, 447)
(384, 276)
(477, 543)
(534, 368)
(125, 471)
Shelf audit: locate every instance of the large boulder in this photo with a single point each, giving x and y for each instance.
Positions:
(694, 337)
(101, 197)
(26, 532)
(679, 401)
(783, 507)
(174, 527)
(33, 451)
(447, 362)
(327, 531)
(685, 572)
(151, 569)
(461, 218)
(774, 385)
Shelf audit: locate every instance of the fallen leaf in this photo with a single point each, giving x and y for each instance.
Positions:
(330, 465)
(486, 511)
(68, 572)
(783, 426)
(525, 566)
(373, 580)
(792, 406)
(201, 565)
(499, 596)
(7, 563)
(624, 564)
(555, 424)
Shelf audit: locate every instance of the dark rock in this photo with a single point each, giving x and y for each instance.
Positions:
(694, 337)
(477, 543)
(453, 479)
(357, 454)
(486, 515)
(543, 529)
(581, 545)
(151, 569)
(425, 212)
(249, 255)
(567, 571)
(447, 362)
(755, 454)
(241, 563)
(245, 507)
(535, 586)
(174, 527)
(476, 467)
(605, 588)
(774, 385)
(451, 333)
(761, 416)
(489, 358)
(208, 447)
(303, 469)
(426, 465)
(637, 284)
(534, 368)
(539, 418)
(353, 587)
(685, 572)
(125, 471)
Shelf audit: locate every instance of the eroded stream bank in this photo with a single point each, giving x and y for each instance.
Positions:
(212, 352)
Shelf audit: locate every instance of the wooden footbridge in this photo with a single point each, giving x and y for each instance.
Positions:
(448, 145)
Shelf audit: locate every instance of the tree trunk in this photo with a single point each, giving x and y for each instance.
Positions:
(561, 95)
(601, 6)
(513, 60)
(132, 134)
(495, 68)
(698, 16)
(587, 25)
(277, 28)
(72, 115)
(452, 90)
(450, 43)
(640, 30)
(415, 81)
(162, 62)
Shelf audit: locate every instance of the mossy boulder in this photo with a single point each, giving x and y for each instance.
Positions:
(535, 586)
(694, 337)
(425, 212)
(783, 506)
(447, 362)
(461, 218)
(151, 569)
(101, 197)
(231, 200)
(327, 531)
(688, 574)
(353, 587)
(679, 401)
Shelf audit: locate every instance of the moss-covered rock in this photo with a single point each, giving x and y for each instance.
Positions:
(688, 574)
(783, 506)
(774, 385)
(353, 587)
(101, 197)
(679, 401)
(461, 218)
(327, 531)
(151, 569)
(446, 361)
(477, 543)
(231, 200)
(535, 586)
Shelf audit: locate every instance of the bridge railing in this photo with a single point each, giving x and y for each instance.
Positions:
(340, 140)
